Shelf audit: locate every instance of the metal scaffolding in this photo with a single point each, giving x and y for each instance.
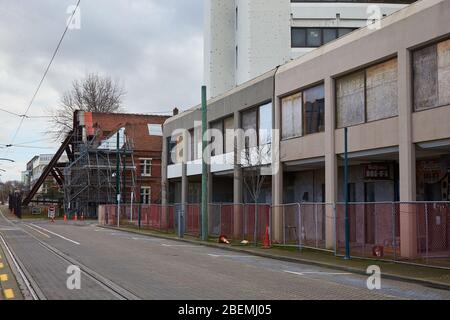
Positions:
(90, 180)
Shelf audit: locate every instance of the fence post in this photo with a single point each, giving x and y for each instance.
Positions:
(220, 220)
(140, 217)
(427, 234)
(335, 230)
(316, 226)
(284, 224)
(300, 226)
(255, 232)
(394, 231)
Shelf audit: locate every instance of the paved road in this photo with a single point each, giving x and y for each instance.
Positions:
(119, 265)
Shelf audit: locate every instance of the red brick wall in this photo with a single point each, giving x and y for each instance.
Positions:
(144, 146)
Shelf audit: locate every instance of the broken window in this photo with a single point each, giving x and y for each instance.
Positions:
(314, 110)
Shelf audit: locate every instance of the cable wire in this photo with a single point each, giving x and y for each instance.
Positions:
(46, 72)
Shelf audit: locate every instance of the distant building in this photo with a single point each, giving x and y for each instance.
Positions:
(49, 191)
(246, 38)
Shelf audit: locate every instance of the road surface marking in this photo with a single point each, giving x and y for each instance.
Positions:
(318, 273)
(229, 256)
(44, 234)
(9, 229)
(2, 265)
(181, 245)
(9, 294)
(148, 240)
(3, 277)
(58, 235)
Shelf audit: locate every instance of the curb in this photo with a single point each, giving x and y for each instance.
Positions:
(426, 283)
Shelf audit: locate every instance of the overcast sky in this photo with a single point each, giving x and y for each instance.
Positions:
(154, 48)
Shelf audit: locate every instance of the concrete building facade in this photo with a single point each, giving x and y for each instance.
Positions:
(390, 87)
(246, 38)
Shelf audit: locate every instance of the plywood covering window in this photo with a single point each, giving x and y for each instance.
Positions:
(292, 118)
(382, 91)
(350, 100)
(367, 95)
(431, 72)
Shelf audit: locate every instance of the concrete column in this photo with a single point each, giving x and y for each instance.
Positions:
(277, 177)
(237, 181)
(331, 170)
(407, 156)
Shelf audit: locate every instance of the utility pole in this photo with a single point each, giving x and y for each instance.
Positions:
(204, 167)
(347, 200)
(118, 179)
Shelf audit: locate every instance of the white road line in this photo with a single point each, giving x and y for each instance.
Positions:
(318, 273)
(44, 234)
(9, 229)
(230, 256)
(58, 235)
(181, 245)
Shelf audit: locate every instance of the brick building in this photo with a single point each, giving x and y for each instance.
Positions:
(100, 170)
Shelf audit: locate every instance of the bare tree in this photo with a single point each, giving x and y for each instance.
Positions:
(253, 163)
(94, 93)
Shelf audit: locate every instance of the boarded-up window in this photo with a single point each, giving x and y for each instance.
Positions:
(443, 50)
(228, 125)
(425, 78)
(350, 100)
(382, 91)
(291, 125)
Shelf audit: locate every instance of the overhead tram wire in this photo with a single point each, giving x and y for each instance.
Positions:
(24, 116)
(46, 72)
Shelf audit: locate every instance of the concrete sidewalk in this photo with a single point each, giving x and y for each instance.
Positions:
(426, 276)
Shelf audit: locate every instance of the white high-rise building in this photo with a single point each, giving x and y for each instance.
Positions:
(245, 38)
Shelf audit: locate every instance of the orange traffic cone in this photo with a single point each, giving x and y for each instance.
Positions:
(266, 243)
(65, 217)
(75, 217)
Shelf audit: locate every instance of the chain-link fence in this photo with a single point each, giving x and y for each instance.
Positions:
(375, 229)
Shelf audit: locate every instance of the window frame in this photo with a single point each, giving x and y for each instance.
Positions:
(412, 84)
(302, 93)
(363, 69)
(256, 109)
(144, 172)
(143, 195)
